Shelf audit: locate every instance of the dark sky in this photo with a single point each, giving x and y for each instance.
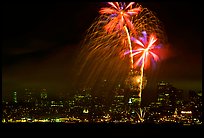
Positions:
(41, 43)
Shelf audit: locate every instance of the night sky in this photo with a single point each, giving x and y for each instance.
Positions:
(41, 43)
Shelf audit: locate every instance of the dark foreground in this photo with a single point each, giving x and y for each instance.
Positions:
(98, 129)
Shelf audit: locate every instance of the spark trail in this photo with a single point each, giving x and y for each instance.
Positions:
(130, 47)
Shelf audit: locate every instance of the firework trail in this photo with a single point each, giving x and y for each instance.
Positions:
(144, 52)
(100, 59)
(130, 47)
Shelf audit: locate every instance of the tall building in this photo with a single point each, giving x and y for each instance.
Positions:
(28, 96)
(43, 97)
(15, 97)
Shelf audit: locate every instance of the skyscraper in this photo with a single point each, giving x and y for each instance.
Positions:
(15, 97)
(43, 96)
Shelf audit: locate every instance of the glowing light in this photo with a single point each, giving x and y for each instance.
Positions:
(186, 112)
(85, 111)
(130, 101)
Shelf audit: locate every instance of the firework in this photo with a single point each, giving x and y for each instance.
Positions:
(112, 34)
(144, 53)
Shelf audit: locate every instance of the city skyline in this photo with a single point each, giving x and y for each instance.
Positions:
(40, 46)
(169, 107)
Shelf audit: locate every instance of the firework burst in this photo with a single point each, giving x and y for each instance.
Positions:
(144, 53)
